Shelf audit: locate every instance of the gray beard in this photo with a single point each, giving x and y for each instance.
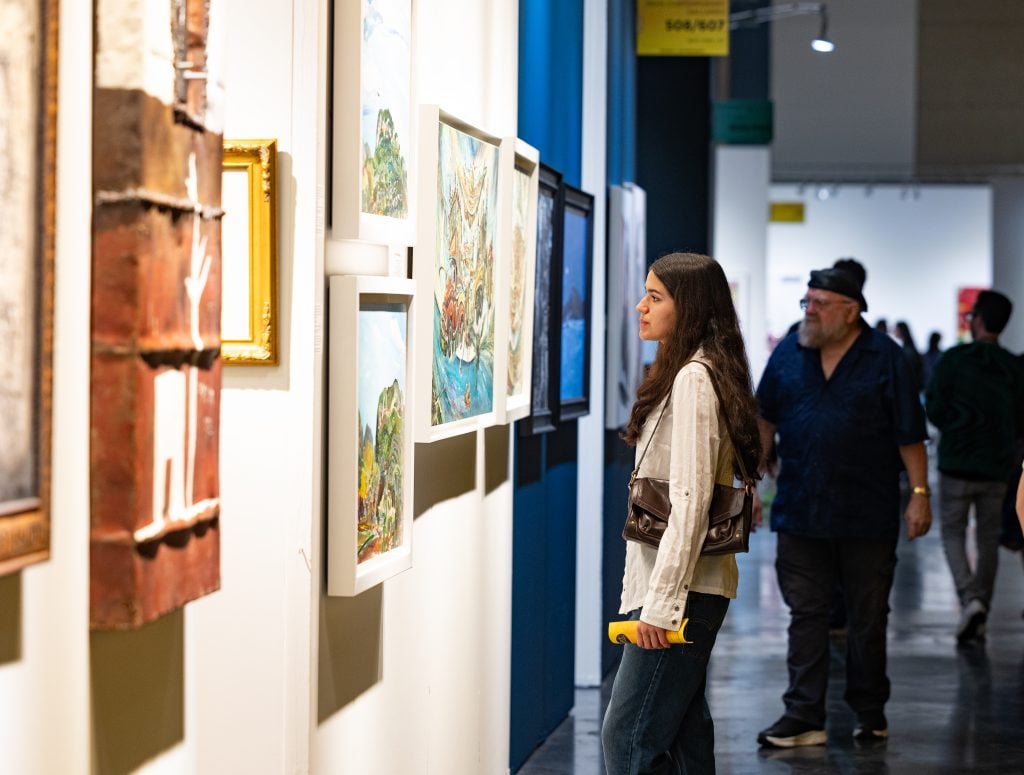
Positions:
(815, 334)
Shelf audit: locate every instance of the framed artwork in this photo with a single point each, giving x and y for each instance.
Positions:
(373, 122)
(519, 177)
(575, 302)
(627, 273)
(155, 367)
(370, 440)
(544, 385)
(453, 265)
(28, 132)
(248, 315)
(965, 299)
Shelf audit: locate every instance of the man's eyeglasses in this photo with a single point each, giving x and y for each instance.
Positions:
(808, 303)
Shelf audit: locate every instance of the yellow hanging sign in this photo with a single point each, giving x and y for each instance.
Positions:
(786, 212)
(688, 28)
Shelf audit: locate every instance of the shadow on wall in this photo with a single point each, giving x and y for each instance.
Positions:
(495, 457)
(10, 618)
(351, 637)
(138, 694)
(350, 649)
(444, 470)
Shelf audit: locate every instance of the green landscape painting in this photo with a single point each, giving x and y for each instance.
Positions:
(385, 127)
(382, 415)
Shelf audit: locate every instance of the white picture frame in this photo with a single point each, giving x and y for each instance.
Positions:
(459, 291)
(373, 101)
(627, 273)
(520, 174)
(369, 515)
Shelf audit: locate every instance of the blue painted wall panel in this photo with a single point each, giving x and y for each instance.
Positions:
(621, 155)
(544, 501)
(551, 82)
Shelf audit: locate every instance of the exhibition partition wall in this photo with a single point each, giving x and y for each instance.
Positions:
(545, 502)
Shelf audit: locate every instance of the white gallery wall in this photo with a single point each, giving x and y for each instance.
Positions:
(267, 675)
(413, 676)
(740, 222)
(248, 647)
(590, 499)
(919, 244)
(1008, 253)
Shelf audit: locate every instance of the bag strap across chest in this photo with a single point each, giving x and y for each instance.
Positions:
(747, 480)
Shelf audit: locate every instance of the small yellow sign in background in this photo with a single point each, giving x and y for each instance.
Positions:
(692, 28)
(786, 212)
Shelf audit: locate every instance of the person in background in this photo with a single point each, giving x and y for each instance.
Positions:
(976, 400)
(931, 355)
(916, 363)
(658, 718)
(843, 401)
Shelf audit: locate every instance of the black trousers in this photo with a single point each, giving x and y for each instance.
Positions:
(808, 569)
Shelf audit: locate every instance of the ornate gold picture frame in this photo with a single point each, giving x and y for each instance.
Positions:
(28, 132)
(249, 307)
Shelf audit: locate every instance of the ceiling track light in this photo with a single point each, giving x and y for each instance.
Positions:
(823, 44)
(756, 16)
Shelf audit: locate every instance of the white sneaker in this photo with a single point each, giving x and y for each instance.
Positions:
(972, 621)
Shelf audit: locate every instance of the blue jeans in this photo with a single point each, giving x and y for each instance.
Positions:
(658, 722)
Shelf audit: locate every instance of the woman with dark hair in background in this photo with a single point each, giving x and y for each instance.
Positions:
(910, 352)
(931, 355)
(658, 718)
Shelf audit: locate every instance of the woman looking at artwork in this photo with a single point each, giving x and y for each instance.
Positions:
(658, 718)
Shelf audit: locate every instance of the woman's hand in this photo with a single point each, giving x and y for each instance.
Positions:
(650, 637)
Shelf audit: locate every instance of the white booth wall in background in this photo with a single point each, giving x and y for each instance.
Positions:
(919, 244)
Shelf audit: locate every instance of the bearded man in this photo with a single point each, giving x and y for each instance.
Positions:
(844, 404)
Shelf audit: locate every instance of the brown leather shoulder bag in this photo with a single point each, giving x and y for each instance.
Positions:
(729, 516)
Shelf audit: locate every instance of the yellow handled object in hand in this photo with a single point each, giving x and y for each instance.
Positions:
(625, 632)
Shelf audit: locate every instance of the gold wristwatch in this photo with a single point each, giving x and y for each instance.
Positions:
(919, 490)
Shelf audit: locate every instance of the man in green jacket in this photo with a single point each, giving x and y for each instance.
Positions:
(976, 399)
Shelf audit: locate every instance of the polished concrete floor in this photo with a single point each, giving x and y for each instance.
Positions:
(953, 709)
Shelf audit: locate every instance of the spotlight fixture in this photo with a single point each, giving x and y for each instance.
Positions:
(823, 43)
(763, 15)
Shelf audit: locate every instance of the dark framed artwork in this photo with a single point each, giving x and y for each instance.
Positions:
(28, 131)
(574, 296)
(547, 288)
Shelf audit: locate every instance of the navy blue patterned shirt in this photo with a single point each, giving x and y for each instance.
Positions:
(839, 439)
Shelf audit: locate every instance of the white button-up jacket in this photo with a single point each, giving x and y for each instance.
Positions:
(692, 450)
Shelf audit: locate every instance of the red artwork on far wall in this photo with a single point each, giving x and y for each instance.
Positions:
(965, 298)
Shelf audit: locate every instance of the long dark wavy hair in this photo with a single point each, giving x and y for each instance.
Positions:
(705, 318)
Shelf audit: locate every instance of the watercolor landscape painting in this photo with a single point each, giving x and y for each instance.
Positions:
(385, 127)
(382, 423)
(463, 315)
